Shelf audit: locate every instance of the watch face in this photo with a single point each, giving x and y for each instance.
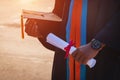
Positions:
(96, 44)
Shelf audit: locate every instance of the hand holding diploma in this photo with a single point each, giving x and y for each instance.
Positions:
(56, 41)
(31, 26)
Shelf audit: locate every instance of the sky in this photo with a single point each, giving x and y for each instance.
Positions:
(22, 59)
(10, 10)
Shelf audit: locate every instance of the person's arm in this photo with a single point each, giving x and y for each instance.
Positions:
(45, 27)
(41, 28)
(108, 36)
(88, 51)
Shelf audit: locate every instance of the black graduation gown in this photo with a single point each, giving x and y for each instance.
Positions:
(103, 23)
(58, 28)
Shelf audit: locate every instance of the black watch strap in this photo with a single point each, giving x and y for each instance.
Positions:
(96, 44)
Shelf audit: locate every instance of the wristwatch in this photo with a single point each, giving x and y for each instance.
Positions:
(96, 44)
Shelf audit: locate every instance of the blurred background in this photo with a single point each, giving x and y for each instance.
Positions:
(22, 59)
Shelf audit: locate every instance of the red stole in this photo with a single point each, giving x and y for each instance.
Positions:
(75, 33)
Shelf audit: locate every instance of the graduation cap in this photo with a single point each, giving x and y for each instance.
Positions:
(40, 15)
(37, 15)
(48, 16)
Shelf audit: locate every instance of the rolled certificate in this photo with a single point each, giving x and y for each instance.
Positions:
(57, 42)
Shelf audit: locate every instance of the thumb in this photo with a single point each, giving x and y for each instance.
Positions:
(74, 54)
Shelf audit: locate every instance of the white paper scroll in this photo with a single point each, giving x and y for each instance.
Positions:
(57, 42)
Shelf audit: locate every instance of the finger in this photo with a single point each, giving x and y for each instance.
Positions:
(27, 22)
(74, 54)
(85, 59)
(78, 56)
(29, 30)
(81, 58)
(35, 31)
(28, 27)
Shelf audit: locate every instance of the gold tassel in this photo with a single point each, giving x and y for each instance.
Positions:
(22, 27)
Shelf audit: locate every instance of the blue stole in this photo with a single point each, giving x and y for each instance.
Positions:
(83, 34)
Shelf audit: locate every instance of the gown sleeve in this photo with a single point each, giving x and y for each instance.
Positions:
(45, 26)
(110, 34)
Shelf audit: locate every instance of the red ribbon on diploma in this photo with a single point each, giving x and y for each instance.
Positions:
(67, 48)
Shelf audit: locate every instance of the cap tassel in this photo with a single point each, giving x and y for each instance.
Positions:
(22, 27)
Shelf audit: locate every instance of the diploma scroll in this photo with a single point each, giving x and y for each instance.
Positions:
(57, 42)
